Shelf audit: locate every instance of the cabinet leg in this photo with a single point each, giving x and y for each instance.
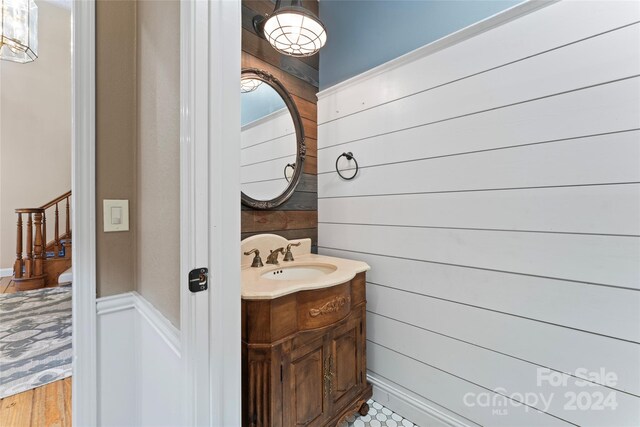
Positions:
(364, 409)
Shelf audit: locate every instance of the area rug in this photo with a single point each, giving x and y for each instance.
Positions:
(35, 338)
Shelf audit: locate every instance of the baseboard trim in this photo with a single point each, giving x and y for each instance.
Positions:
(415, 410)
(6, 272)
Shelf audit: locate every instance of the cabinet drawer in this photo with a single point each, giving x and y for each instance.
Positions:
(322, 307)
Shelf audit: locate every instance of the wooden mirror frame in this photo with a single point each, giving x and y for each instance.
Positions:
(254, 73)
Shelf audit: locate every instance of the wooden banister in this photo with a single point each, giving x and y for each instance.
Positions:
(56, 200)
(31, 249)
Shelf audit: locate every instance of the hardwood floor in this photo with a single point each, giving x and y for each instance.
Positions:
(46, 406)
(49, 405)
(6, 286)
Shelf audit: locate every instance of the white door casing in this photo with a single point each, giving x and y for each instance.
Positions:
(83, 179)
(210, 209)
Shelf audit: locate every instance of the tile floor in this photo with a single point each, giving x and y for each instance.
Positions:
(378, 416)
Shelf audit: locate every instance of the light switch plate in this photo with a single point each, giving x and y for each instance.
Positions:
(116, 215)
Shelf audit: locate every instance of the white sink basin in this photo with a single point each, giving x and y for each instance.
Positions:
(300, 272)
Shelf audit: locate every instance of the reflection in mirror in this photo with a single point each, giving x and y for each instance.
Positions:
(268, 141)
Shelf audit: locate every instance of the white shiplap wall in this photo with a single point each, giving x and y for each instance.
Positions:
(498, 204)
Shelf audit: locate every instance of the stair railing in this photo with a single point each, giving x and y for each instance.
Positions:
(30, 260)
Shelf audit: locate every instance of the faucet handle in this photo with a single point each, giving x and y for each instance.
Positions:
(289, 256)
(257, 261)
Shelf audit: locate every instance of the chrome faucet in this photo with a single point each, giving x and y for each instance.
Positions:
(289, 256)
(273, 256)
(257, 261)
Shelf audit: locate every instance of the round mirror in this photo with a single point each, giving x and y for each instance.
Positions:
(271, 143)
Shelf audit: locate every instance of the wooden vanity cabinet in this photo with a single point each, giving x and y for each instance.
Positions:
(304, 357)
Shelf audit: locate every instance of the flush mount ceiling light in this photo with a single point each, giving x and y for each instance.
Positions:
(249, 85)
(292, 29)
(18, 30)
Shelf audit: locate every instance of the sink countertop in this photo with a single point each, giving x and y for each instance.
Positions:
(256, 287)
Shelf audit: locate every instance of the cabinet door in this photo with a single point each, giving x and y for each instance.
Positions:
(305, 401)
(346, 365)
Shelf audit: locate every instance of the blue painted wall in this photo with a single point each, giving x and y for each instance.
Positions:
(365, 33)
(259, 103)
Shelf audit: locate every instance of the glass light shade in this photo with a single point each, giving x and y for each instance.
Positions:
(295, 31)
(249, 85)
(18, 30)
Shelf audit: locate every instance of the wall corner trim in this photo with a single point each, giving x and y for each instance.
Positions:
(459, 36)
(6, 272)
(415, 410)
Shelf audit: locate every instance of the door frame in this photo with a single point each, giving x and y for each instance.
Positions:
(83, 215)
(209, 211)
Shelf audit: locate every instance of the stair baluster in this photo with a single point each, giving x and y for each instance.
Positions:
(28, 265)
(17, 267)
(68, 229)
(38, 246)
(44, 231)
(56, 238)
(33, 268)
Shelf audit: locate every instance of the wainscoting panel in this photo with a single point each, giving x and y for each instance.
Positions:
(139, 365)
(497, 203)
(117, 365)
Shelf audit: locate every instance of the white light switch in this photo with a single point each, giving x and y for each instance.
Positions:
(116, 215)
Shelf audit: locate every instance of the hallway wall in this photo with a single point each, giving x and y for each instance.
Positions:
(35, 127)
(137, 149)
(158, 156)
(115, 140)
(497, 203)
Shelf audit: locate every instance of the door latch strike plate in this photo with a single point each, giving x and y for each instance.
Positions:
(199, 279)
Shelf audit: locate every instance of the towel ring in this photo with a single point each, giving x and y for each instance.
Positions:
(292, 166)
(349, 156)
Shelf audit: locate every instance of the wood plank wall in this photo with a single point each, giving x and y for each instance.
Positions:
(298, 217)
(497, 203)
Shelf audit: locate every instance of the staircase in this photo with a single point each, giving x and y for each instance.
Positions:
(42, 261)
